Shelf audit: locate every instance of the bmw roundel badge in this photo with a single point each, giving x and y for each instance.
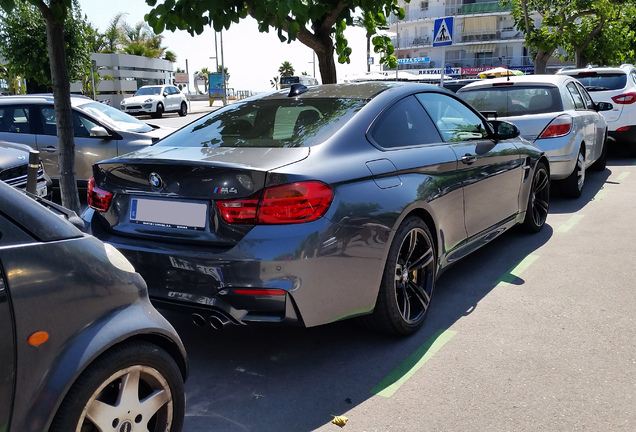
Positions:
(155, 180)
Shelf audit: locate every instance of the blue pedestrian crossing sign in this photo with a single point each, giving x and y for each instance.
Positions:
(443, 32)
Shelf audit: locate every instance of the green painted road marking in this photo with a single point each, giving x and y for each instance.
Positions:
(516, 271)
(622, 177)
(600, 195)
(569, 223)
(398, 376)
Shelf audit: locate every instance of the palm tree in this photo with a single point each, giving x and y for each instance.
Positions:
(274, 82)
(113, 34)
(286, 69)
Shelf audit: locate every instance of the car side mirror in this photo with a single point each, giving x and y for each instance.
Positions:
(504, 130)
(165, 94)
(604, 106)
(100, 132)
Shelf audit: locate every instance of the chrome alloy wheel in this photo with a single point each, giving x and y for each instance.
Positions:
(137, 398)
(414, 272)
(580, 170)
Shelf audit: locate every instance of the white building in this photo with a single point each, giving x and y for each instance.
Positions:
(483, 36)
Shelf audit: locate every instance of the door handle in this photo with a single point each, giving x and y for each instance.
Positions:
(49, 149)
(469, 159)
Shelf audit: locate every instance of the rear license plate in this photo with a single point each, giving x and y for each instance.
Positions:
(168, 213)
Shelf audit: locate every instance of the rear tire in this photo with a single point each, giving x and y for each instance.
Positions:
(408, 281)
(184, 109)
(538, 201)
(572, 186)
(136, 385)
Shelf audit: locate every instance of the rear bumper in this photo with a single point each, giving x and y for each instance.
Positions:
(307, 274)
(627, 136)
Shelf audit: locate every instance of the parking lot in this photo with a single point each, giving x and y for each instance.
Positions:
(530, 333)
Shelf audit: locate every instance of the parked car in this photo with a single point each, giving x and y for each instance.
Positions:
(557, 114)
(101, 131)
(81, 347)
(455, 84)
(316, 204)
(615, 85)
(14, 165)
(156, 100)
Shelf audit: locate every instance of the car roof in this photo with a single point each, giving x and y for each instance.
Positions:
(76, 99)
(598, 69)
(357, 90)
(541, 79)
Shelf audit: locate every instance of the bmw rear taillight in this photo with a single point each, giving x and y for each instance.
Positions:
(625, 99)
(97, 198)
(286, 204)
(560, 126)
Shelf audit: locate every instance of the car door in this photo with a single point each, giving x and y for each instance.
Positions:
(490, 171)
(17, 124)
(598, 124)
(584, 120)
(7, 348)
(88, 149)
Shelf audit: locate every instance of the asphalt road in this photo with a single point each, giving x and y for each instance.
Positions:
(531, 333)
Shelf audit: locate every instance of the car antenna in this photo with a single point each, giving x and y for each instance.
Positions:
(297, 89)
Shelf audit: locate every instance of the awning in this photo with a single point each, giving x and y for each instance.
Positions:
(480, 24)
(481, 48)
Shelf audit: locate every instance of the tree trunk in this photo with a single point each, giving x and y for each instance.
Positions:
(368, 52)
(63, 113)
(541, 61)
(322, 44)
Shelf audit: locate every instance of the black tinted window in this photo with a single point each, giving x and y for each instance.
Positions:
(599, 82)
(14, 118)
(510, 101)
(268, 123)
(404, 124)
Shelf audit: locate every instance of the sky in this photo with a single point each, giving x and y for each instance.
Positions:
(251, 58)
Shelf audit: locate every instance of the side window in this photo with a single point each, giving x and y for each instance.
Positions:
(576, 96)
(82, 125)
(632, 76)
(16, 119)
(404, 124)
(49, 126)
(587, 99)
(454, 120)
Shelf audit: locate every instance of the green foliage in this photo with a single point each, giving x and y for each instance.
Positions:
(286, 69)
(23, 42)
(319, 25)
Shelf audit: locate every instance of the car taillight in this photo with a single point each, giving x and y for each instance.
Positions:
(626, 98)
(560, 126)
(97, 198)
(286, 204)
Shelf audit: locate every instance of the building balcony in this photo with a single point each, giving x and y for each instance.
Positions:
(483, 8)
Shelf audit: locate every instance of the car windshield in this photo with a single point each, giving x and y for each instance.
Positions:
(511, 101)
(115, 118)
(268, 123)
(597, 82)
(148, 91)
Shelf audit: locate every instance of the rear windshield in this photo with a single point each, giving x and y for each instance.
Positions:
(598, 82)
(268, 123)
(511, 101)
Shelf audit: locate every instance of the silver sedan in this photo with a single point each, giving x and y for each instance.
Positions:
(554, 112)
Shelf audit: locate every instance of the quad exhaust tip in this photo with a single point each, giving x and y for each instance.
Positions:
(215, 320)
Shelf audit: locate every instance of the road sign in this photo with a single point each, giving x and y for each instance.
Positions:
(180, 78)
(443, 32)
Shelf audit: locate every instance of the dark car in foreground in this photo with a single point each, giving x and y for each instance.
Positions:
(81, 347)
(312, 205)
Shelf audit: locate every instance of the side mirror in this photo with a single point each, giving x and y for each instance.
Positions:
(504, 130)
(165, 94)
(604, 106)
(99, 132)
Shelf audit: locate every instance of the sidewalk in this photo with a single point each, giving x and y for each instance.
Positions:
(202, 106)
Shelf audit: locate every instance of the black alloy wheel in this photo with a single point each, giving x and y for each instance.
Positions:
(184, 109)
(408, 281)
(539, 200)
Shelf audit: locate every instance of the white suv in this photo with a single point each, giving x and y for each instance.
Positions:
(616, 85)
(155, 100)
